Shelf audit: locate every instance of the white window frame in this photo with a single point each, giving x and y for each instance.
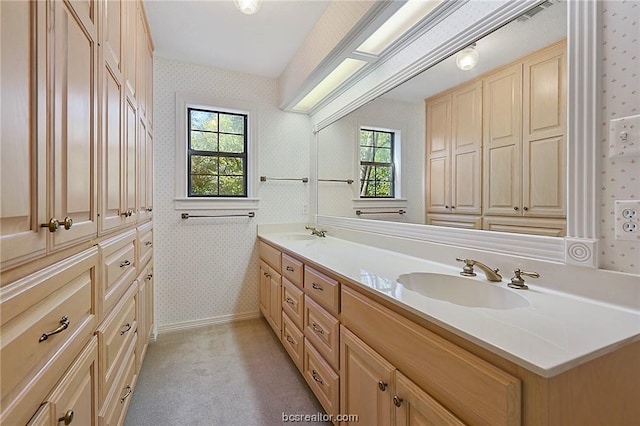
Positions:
(182, 199)
(397, 200)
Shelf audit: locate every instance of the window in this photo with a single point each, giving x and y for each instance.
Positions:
(377, 170)
(217, 153)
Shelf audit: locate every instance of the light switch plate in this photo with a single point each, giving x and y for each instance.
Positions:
(624, 137)
(627, 220)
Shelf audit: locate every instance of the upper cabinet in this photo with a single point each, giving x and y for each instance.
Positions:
(496, 147)
(22, 131)
(76, 151)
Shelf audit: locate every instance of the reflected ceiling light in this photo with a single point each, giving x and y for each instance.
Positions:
(339, 75)
(467, 58)
(412, 12)
(248, 7)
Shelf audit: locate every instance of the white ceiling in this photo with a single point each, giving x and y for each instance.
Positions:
(215, 33)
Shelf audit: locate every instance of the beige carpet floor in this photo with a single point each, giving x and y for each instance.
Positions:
(228, 374)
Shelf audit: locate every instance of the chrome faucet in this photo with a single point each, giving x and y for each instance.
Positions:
(467, 270)
(517, 281)
(314, 231)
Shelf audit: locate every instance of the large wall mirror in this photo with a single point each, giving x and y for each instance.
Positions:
(473, 155)
(534, 192)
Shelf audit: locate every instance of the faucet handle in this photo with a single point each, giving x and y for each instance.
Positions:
(467, 270)
(517, 281)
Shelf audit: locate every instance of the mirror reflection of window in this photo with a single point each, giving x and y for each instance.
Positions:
(377, 171)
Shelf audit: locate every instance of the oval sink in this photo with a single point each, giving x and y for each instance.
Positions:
(462, 291)
(299, 237)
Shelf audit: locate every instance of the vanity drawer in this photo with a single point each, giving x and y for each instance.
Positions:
(322, 380)
(293, 302)
(145, 243)
(119, 264)
(115, 407)
(114, 338)
(270, 255)
(292, 269)
(474, 390)
(323, 330)
(293, 341)
(34, 307)
(322, 289)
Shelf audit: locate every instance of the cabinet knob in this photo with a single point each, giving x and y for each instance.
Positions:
(148, 277)
(54, 224)
(516, 208)
(453, 207)
(525, 209)
(382, 385)
(397, 401)
(67, 418)
(150, 209)
(446, 207)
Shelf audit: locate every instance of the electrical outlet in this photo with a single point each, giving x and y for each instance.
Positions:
(627, 220)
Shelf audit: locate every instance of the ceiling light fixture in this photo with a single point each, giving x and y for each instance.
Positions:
(467, 58)
(248, 7)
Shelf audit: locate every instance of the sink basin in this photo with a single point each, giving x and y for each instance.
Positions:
(462, 291)
(299, 237)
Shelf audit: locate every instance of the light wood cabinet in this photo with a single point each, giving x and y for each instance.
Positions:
(416, 407)
(73, 121)
(144, 313)
(71, 152)
(271, 297)
(367, 387)
(23, 132)
(454, 137)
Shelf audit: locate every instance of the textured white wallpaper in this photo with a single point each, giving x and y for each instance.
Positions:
(620, 98)
(207, 268)
(337, 157)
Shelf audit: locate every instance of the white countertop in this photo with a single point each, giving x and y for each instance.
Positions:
(544, 332)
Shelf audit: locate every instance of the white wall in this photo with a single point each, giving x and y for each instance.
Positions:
(338, 156)
(207, 269)
(620, 98)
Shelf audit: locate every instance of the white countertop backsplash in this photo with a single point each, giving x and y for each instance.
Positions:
(548, 333)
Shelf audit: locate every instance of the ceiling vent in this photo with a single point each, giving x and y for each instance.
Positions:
(534, 11)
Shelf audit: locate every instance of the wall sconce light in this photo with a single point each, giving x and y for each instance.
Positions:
(467, 58)
(248, 7)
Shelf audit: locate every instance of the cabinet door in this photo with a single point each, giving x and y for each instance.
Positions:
(113, 151)
(275, 297)
(438, 149)
(74, 110)
(141, 62)
(415, 407)
(544, 147)
(142, 169)
(149, 64)
(264, 290)
(22, 132)
(366, 385)
(466, 149)
(129, 46)
(502, 138)
(131, 159)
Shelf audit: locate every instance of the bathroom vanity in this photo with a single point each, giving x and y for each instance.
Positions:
(402, 340)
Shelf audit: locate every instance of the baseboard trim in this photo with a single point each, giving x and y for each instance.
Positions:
(187, 325)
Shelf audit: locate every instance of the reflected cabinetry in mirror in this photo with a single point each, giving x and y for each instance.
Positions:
(496, 149)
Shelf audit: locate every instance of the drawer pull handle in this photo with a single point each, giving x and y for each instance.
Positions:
(290, 269)
(128, 213)
(317, 287)
(290, 301)
(397, 401)
(126, 395)
(382, 385)
(290, 340)
(317, 328)
(125, 264)
(126, 329)
(148, 243)
(148, 277)
(150, 209)
(267, 275)
(316, 377)
(67, 418)
(64, 324)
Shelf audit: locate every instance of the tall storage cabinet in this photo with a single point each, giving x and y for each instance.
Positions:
(76, 248)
